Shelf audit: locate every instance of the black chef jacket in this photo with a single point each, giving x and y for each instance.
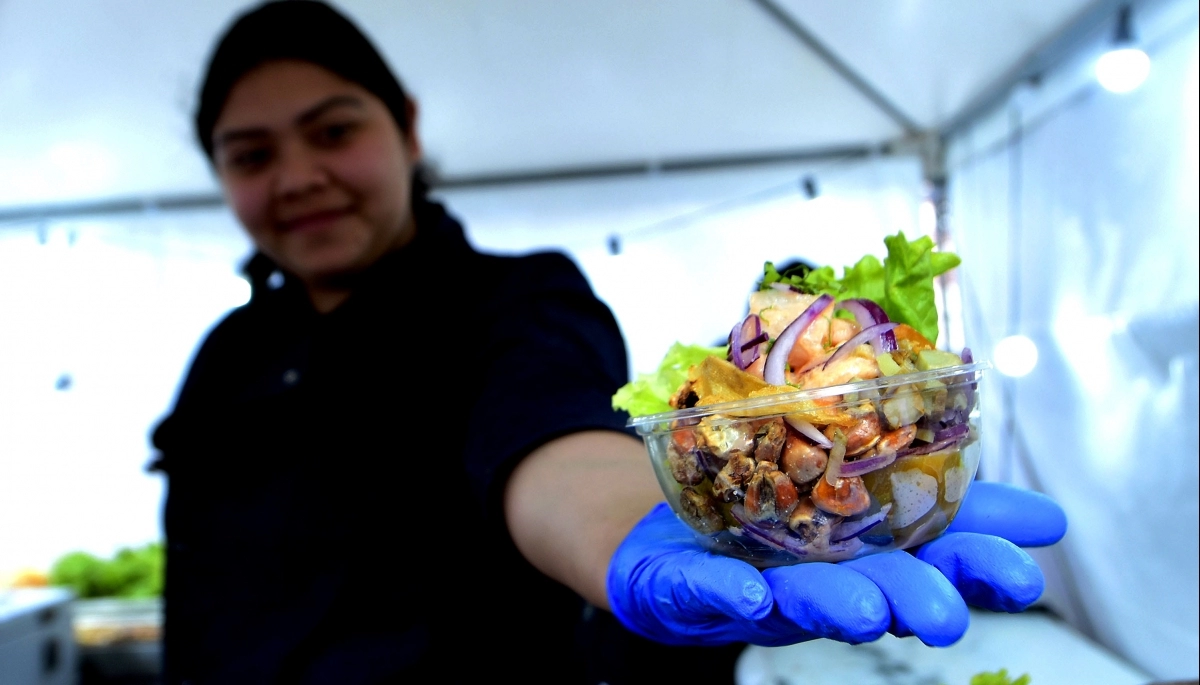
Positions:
(334, 481)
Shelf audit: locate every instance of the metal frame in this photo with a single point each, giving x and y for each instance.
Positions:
(193, 201)
(915, 140)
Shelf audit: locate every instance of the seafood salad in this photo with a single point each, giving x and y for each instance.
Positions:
(829, 427)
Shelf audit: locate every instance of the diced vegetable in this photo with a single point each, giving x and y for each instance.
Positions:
(914, 493)
(936, 359)
(887, 364)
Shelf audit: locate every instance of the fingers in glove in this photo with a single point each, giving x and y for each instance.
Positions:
(825, 600)
(1023, 517)
(662, 585)
(719, 587)
(988, 571)
(922, 601)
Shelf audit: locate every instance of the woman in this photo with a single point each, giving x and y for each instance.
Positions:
(399, 462)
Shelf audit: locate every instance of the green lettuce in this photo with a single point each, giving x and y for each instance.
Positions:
(902, 284)
(650, 392)
(132, 572)
(999, 678)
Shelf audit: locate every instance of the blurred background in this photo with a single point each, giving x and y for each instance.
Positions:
(670, 148)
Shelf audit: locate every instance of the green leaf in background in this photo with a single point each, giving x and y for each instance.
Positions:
(651, 392)
(83, 573)
(132, 572)
(999, 678)
(820, 280)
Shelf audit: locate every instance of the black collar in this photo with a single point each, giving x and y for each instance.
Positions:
(440, 240)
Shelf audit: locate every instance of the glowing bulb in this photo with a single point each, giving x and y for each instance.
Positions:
(1122, 70)
(1015, 356)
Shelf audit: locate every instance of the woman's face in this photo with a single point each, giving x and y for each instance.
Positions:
(316, 169)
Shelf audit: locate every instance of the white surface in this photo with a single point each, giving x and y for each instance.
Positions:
(98, 324)
(1033, 643)
(1083, 237)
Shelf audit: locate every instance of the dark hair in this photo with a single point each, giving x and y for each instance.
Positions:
(305, 30)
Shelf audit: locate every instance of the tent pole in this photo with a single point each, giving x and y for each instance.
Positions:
(852, 77)
(932, 150)
(1092, 21)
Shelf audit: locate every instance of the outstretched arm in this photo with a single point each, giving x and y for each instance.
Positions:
(571, 502)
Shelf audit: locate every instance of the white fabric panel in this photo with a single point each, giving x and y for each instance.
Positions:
(114, 309)
(930, 57)
(692, 245)
(98, 321)
(96, 98)
(1082, 235)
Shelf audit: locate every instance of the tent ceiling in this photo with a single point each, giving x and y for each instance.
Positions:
(95, 97)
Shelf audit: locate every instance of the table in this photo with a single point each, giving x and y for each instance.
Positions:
(1033, 642)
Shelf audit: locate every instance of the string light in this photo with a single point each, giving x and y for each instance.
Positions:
(1124, 67)
(1015, 356)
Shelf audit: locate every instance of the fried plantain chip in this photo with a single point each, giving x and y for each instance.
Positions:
(716, 380)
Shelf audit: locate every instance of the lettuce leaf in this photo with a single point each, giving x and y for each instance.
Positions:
(909, 271)
(650, 392)
(902, 284)
(999, 678)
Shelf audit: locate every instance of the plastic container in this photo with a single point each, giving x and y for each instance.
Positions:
(827, 474)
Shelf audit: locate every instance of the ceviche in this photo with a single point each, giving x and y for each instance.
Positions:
(829, 427)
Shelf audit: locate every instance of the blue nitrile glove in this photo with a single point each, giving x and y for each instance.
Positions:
(663, 585)
(979, 552)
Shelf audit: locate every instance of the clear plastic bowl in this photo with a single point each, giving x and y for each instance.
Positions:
(760, 480)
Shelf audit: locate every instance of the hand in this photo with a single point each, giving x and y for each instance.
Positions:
(663, 585)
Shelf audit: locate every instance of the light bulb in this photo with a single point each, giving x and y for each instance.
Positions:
(1015, 356)
(1123, 69)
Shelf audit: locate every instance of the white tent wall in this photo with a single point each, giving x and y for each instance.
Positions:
(104, 314)
(98, 320)
(692, 245)
(1075, 210)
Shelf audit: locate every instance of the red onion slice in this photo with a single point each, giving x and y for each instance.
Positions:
(852, 529)
(711, 468)
(871, 334)
(743, 349)
(951, 432)
(756, 341)
(776, 537)
(774, 371)
(969, 391)
(809, 431)
(865, 311)
(744, 341)
(858, 468)
(936, 446)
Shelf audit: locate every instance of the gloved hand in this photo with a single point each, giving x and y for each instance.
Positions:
(663, 585)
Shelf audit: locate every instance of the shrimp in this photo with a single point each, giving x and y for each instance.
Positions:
(778, 308)
(852, 367)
